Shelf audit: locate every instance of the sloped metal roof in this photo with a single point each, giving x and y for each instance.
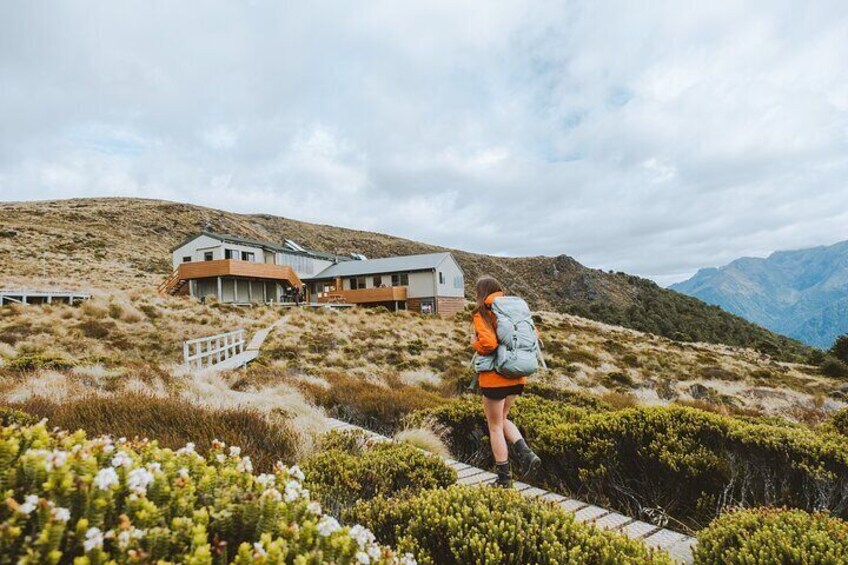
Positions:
(404, 263)
(271, 246)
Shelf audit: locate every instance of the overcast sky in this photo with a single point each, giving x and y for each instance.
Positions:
(649, 137)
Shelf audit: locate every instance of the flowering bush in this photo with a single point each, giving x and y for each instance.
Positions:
(487, 525)
(348, 469)
(768, 536)
(91, 502)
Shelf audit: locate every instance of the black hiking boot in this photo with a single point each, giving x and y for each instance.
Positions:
(528, 462)
(504, 479)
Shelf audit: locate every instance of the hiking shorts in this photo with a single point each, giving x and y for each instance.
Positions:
(501, 392)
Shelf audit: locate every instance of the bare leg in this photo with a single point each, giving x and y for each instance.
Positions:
(494, 410)
(511, 432)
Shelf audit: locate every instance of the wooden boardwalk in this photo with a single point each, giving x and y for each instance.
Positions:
(678, 545)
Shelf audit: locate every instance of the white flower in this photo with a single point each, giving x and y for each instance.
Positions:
(93, 539)
(56, 458)
(245, 465)
(138, 480)
(272, 493)
(266, 480)
(154, 467)
(408, 559)
(235, 451)
(122, 459)
(122, 440)
(260, 551)
(189, 448)
(294, 490)
(374, 551)
(183, 473)
(30, 504)
(362, 557)
(327, 525)
(106, 478)
(221, 457)
(125, 537)
(362, 535)
(296, 473)
(61, 514)
(314, 507)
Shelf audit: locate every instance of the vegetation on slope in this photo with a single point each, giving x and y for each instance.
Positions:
(125, 243)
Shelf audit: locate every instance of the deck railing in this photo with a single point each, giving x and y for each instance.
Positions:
(208, 351)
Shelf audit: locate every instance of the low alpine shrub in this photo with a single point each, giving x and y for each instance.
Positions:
(768, 536)
(688, 464)
(11, 416)
(477, 525)
(839, 421)
(465, 425)
(349, 469)
(88, 502)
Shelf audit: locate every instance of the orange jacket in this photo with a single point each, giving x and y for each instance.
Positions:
(486, 343)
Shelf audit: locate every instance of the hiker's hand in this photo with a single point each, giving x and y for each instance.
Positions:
(473, 338)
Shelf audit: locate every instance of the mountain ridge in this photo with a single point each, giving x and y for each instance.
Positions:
(124, 243)
(800, 293)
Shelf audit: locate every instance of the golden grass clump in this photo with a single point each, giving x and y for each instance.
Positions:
(172, 422)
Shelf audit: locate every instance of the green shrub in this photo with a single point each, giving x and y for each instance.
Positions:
(12, 417)
(767, 536)
(688, 463)
(833, 367)
(571, 397)
(87, 502)
(486, 525)
(173, 422)
(40, 361)
(839, 421)
(466, 429)
(840, 348)
(347, 469)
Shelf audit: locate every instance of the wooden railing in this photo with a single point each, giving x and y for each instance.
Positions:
(364, 295)
(170, 283)
(208, 351)
(236, 268)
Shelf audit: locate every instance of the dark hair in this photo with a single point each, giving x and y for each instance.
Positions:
(486, 285)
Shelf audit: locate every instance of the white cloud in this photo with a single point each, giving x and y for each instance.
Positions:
(652, 138)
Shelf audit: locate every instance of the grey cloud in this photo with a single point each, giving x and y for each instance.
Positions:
(654, 139)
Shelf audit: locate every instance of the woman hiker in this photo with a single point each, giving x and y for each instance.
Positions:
(499, 392)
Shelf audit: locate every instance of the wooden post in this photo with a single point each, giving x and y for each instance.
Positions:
(220, 290)
(264, 292)
(250, 291)
(235, 291)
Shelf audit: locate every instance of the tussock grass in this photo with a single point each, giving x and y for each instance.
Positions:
(172, 422)
(423, 438)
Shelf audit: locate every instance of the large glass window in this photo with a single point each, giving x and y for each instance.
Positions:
(400, 279)
(247, 256)
(207, 256)
(228, 253)
(357, 283)
(378, 281)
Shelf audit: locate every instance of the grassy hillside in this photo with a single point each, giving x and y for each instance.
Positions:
(122, 243)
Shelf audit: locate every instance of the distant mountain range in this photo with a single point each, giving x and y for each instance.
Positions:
(801, 294)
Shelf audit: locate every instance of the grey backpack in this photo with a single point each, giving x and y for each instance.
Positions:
(518, 353)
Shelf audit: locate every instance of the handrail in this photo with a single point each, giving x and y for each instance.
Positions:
(212, 350)
(169, 282)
